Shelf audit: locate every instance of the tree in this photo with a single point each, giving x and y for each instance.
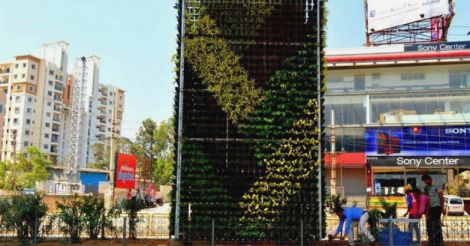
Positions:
(154, 150)
(101, 156)
(6, 175)
(31, 168)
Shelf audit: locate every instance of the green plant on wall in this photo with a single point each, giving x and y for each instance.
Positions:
(291, 165)
(219, 69)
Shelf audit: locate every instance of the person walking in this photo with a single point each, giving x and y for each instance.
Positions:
(353, 217)
(412, 201)
(436, 208)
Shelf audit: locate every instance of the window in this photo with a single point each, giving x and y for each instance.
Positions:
(376, 76)
(51, 72)
(30, 99)
(28, 110)
(31, 77)
(412, 76)
(28, 121)
(16, 65)
(26, 132)
(24, 64)
(331, 79)
(49, 104)
(1, 109)
(50, 82)
(49, 93)
(48, 124)
(17, 110)
(30, 88)
(33, 66)
(359, 83)
(23, 76)
(15, 121)
(458, 80)
(26, 143)
(46, 146)
(18, 87)
(48, 114)
(46, 135)
(15, 76)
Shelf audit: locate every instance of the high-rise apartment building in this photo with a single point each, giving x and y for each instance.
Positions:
(33, 105)
(36, 95)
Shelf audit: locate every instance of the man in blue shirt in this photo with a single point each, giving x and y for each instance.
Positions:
(353, 217)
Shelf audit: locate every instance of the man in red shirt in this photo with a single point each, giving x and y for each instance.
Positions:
(413, 210)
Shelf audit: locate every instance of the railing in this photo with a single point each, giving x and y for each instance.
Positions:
(463, 192)
(149, 226)
(454, 229)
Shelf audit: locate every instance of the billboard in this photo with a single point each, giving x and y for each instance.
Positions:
(433, 141)
(125, 171)
(386, 14)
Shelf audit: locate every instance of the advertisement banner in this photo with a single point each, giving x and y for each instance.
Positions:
(445, 46)
(386, 14)
(125, 171)
(426, 141)
(418, 161)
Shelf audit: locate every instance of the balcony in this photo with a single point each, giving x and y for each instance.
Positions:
(58, 98)
(56, 118)
(55, 127)
(59, 77)
(54, 149)
(59, 87)
(57, 108)
(5, 70)
(55, 139)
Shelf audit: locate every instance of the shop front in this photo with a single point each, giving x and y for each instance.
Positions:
(397, 156)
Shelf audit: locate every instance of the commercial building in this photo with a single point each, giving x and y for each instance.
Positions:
(400, 111)
(36, 94)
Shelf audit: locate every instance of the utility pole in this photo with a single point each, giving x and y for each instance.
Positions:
(112, 154)
(333, 154)
(180, 123)
(319, 122)
(13, 142)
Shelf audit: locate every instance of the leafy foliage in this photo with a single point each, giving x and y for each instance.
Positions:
(31, 167)
(72, 217)
(101, 156)
(219, 68)
(132, 207)
(96, 218)
(21, 213)
(334, 201)
(154, 149)
(291, 165)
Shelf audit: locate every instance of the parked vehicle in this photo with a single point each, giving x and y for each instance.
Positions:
(454, 204)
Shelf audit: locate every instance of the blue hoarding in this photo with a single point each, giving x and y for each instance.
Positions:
(418, 141)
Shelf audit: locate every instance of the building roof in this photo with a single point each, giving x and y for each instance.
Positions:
(399, 55)
(28, 57)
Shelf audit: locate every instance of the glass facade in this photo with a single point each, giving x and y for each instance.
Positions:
(411, 95)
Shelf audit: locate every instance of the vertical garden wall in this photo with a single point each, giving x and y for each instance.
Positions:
(250, 136)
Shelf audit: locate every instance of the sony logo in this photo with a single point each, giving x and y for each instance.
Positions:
(457, 130)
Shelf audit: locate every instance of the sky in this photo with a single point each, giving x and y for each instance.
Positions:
(136, 39)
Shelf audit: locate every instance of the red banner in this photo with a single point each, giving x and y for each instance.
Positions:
(125, 171)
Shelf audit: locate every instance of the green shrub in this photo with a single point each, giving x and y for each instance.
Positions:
(132, 207)
(20, 214)
(72, 218)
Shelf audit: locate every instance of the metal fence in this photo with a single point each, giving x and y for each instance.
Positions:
(152, 228)
(454, 230)
(48, 230)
